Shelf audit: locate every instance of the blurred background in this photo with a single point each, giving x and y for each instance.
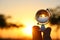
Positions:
(17, 17)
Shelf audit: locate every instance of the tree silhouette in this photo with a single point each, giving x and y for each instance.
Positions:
(2, 21)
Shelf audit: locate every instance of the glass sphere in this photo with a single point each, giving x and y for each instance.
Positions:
(42, 16)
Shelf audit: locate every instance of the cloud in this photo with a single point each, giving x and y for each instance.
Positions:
(14, 25)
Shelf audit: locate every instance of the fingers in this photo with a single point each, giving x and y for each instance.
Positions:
(36, 33)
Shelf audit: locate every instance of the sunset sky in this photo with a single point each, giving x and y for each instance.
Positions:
(23, 11)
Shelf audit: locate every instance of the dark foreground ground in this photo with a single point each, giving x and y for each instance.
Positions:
(21, 39)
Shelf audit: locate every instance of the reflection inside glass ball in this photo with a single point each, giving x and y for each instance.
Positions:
(42, 19)
(42, 16)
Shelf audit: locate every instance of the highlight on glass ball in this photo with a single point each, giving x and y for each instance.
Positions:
(42, 16)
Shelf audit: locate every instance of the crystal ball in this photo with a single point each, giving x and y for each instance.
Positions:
(42, 16)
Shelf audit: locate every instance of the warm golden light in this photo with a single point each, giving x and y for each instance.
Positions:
(42, 15)
(27, 30)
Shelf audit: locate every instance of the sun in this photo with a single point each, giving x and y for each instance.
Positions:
(27, 30)
(42, 15)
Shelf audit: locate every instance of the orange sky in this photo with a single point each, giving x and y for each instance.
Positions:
(23, 11)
